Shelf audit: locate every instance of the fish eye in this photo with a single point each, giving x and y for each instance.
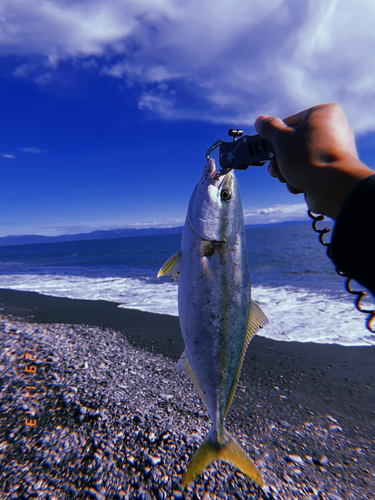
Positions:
(226, 195)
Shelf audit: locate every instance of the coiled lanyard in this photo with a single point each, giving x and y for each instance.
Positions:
(370, 323)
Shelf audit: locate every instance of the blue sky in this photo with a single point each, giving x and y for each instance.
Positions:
(108, 107)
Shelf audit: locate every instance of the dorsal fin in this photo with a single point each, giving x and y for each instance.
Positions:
(255, 321)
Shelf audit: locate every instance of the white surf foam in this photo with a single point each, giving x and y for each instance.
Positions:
(295, 314)
(302, 315)
(132, 293)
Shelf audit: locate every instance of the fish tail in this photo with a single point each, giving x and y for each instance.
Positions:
(229, 452)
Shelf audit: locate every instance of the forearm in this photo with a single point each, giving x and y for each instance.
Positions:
(353, 247)
(332, 188)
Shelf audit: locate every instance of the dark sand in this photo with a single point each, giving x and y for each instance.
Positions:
(306, 389)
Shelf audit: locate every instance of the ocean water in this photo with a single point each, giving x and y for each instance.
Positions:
(293, 280)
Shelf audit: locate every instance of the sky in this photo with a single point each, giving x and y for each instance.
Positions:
(107, 107)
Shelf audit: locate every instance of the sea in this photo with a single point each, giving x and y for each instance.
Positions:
(293, 280)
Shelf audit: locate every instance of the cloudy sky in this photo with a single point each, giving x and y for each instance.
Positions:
(108, 106)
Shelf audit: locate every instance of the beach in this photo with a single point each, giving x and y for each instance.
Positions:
(114, 419)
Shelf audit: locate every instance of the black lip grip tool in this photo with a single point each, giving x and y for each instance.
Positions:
(243, 152)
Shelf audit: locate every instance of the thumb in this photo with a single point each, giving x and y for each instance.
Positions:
(269, 126)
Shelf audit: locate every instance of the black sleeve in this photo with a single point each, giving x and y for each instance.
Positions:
(353, 240)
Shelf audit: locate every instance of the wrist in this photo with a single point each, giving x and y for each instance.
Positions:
(338, 181)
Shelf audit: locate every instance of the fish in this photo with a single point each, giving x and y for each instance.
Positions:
(217, 316)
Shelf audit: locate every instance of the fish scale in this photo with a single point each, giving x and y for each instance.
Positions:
(217, 316)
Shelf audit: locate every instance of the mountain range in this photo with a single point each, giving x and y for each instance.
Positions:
(111, 233)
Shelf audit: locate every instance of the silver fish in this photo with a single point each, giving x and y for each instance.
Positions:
(218, 318)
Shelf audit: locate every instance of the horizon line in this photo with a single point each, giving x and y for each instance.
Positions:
(159, 230)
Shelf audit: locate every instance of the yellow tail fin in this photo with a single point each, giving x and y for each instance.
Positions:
(230, 452)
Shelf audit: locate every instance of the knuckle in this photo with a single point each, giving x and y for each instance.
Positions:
(333, 108)
(268, 121)
(267, 126)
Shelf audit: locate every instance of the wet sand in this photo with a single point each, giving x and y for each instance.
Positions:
(314, 401)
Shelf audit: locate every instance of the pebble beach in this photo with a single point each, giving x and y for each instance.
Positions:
(93, 407)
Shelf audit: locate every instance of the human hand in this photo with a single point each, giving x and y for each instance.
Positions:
(315, 155)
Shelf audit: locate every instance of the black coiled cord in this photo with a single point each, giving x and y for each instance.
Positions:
(370, 323)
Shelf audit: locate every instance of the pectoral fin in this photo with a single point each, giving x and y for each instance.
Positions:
(255, 321)
(171, 266)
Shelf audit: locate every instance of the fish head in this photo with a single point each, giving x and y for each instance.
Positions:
(215, 207)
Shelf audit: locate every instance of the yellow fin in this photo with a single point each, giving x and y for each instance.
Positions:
(230, 452)
(255, 321)
(184, 365)
(171, 266)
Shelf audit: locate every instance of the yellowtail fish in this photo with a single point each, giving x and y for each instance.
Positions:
(218, 318)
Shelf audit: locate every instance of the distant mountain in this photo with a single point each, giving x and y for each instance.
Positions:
(284, 223)
(113, 233)
(94, 235)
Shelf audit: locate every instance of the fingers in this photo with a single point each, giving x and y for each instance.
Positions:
(292, 189)
(294, 120)
(274, 171)
(269, 126)
(273, 168)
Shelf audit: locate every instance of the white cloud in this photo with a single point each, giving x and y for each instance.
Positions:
(156, 102)
(9, 156)
(31, 150)
(229, 63)
(24, 70)
(162, 224)
(277, 213)
(43, 79)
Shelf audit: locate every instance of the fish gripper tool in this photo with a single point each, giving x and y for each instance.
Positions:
(244, 151)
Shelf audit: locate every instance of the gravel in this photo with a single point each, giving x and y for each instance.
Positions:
(86, 415)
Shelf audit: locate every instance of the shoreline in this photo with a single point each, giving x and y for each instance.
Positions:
(140, 326)
(304, 399)
(339, 370)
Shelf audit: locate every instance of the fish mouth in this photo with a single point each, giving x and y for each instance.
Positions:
(223, 171)
(222, 179)
(214, 172)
